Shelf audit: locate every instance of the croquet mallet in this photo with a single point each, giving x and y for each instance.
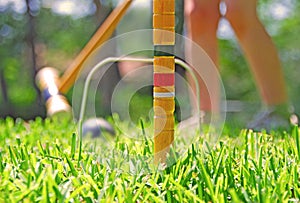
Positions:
(48, 79)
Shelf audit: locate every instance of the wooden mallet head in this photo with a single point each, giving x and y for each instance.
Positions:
(56, 104)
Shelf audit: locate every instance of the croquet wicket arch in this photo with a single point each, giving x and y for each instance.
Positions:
(159, 126)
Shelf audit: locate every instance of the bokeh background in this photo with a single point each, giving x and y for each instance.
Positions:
(38, 33)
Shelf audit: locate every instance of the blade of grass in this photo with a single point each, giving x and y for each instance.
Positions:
(297, 138)
(80, 144)
(208, 182)
(72, 168)
(12, 156)
(219, 161)
(1, 162)
(92, 183)
(40, 147)
(234, 196)
(73, 145)
(76, 192)
(137, 194)
(181, 189)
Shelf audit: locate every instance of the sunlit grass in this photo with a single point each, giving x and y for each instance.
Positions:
(42, 161)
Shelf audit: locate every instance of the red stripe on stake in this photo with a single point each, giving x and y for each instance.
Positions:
(163, 79)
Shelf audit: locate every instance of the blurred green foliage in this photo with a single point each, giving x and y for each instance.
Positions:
(58, 38)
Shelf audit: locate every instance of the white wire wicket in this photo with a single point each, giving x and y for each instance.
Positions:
(119, 59)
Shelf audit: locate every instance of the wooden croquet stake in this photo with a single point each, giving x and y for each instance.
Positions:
(102, 34)
(163, 77)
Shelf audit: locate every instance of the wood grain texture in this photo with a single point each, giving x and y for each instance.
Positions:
(163, 78)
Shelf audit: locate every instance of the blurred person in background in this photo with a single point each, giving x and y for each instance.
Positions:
(202, 19)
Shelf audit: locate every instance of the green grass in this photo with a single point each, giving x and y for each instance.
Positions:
(41, 161)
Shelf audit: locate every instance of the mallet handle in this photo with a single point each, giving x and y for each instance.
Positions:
(102, 34)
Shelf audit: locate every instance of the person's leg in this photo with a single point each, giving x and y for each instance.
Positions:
(202, 17)
(264, 62)
(259, 50)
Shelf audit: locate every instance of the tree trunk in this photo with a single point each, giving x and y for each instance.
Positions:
(30, 39)
(3, 87)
